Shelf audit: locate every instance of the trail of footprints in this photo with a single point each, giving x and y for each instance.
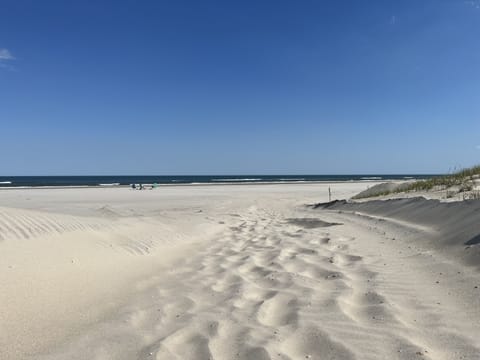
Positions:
(266, 289)
(264, 292)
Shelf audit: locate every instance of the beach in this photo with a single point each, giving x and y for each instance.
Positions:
(235, 272)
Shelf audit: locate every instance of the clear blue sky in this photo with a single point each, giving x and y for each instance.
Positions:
(235, 87)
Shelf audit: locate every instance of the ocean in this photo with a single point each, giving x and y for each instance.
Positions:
(121, 180)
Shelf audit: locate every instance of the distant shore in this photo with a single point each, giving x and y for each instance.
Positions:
(159, 186)
(121, 180)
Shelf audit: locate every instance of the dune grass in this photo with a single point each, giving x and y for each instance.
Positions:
(462, 179)
(459, 181)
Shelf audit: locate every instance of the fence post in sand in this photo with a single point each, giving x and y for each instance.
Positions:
(329, 194)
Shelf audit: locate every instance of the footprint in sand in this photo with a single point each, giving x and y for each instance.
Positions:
(313, 343)
(186, 345)
(279, 310)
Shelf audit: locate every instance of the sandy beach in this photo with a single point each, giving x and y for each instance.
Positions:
(234, 272)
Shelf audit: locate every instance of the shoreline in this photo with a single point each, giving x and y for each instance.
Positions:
(373, 181)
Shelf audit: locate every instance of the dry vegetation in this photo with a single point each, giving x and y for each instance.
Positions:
(465, 181)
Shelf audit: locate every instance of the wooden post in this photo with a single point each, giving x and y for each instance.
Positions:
(329, 194)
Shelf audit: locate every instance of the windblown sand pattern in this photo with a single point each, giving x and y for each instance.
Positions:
(134, 237)
(26, 224)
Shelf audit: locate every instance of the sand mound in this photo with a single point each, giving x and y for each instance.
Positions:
(454, 225)
(381, 189)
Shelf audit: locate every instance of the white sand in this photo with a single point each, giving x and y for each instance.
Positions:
(224, 272)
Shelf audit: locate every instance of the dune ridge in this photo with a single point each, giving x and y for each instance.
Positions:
(454, 225)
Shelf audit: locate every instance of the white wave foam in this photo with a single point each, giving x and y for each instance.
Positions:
(234, 180)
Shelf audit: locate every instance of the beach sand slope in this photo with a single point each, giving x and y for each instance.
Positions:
(237, 272)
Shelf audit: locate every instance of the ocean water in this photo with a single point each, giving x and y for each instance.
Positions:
(119, 180)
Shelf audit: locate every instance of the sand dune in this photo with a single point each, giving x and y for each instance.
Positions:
(453, 226)
(259, 276)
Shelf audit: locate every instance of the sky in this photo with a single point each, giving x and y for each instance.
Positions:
(173, 87)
